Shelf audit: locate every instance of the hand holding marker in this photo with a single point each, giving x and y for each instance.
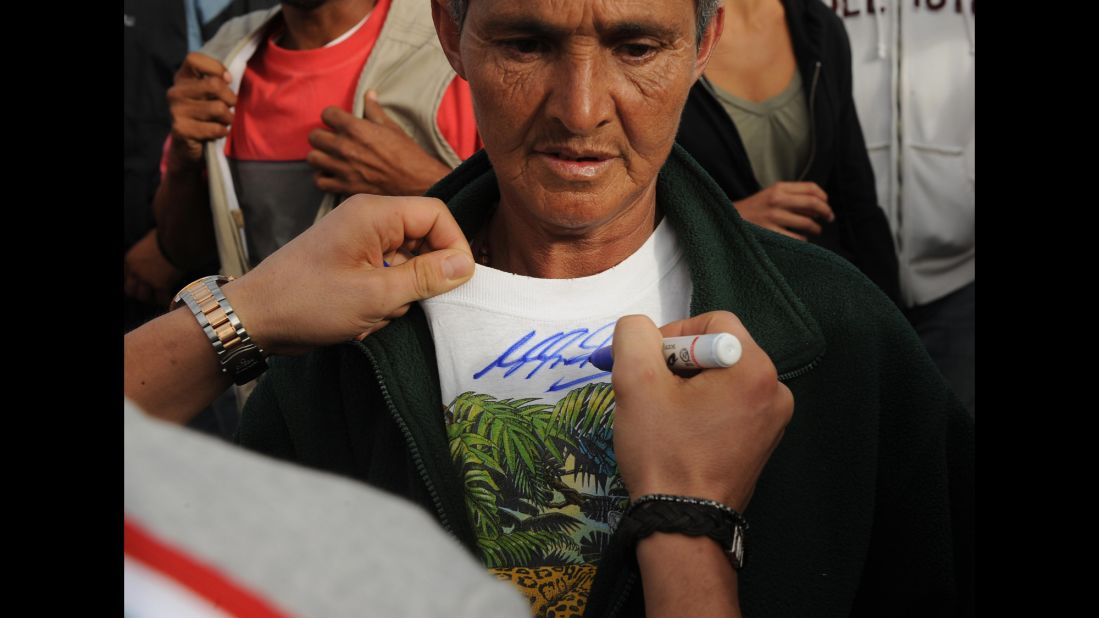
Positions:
(690, 352)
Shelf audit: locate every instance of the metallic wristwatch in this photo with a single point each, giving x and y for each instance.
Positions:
(237, 354)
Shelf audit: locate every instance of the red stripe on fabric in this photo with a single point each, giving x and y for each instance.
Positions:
(202, 579)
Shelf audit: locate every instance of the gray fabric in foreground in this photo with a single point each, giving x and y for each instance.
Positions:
(314, 544)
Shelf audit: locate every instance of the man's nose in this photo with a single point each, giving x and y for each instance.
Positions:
(580, 97)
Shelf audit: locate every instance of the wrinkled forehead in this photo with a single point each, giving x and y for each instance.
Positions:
(584, 17)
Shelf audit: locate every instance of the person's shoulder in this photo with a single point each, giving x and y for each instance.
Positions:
(824, 280)
(318, 362)
(818, 11)
(788, 252)
(295, 380)
(235, 29)
(822, 24)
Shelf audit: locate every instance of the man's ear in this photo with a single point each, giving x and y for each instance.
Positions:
(709, 40)
(449, 34)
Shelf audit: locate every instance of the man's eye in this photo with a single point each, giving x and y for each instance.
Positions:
(523, 46)
(637, 51)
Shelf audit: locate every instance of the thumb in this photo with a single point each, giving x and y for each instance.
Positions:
(372, 110)
(427, 275)
(637, 351)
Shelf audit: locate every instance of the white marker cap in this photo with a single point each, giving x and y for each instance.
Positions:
(725, 349)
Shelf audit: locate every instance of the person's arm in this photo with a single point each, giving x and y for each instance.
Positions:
(707, 436)
(171, 370)
(182, 210)
(147, 274)
(686, 576)
(201, 104)
(326, 286)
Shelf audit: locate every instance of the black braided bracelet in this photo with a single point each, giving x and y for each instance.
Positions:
(686, 515)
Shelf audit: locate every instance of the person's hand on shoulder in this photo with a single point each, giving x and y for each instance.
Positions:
(201, 104)
(370, 155)
(791, 208)
(330, 284)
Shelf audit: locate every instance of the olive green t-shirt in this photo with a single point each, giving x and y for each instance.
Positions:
(775, 132)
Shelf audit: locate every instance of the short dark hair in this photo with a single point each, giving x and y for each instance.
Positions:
(704, 12)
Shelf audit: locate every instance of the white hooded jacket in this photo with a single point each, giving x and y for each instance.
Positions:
(913, 64)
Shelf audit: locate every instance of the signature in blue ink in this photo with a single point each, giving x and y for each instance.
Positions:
(569, 348)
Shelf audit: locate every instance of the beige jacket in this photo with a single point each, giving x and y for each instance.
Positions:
(406, 68)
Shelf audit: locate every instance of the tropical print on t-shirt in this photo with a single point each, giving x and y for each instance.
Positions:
(542, 488)
(530, 419)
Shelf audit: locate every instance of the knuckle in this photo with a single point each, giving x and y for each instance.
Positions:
(423, 278)
(733, 320)
(784, 404)
(357, 201)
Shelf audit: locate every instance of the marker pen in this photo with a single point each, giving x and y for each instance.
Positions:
(690, 352)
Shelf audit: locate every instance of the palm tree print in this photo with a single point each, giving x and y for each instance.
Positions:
(541, 481)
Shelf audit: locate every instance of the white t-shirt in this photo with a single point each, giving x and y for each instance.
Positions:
(529, 418)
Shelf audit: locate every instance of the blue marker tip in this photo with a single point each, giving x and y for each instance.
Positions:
(385, 263)
(602, 358)
(686, 353)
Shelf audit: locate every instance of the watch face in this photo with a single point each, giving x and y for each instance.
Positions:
(249, 368)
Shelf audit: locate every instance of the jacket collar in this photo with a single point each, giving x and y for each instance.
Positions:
(806, 35)
(743, 281)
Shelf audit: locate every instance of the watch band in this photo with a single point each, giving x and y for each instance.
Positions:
(690, 516)
(238, 356)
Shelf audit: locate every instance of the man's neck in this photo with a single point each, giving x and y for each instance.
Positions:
(315, 28)
(520, 245)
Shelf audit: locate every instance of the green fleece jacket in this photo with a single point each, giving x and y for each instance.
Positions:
(864, 509)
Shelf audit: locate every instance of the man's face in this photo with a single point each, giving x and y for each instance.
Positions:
(578, 101)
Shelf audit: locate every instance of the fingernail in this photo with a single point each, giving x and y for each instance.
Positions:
(457, 266)
(373, 96)
(227, 76)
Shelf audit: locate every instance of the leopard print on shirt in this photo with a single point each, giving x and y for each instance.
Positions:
(553, 591)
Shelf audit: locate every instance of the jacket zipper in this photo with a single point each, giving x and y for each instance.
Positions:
(790, 375)
(623, 594)
(416, 457)
(812, 121)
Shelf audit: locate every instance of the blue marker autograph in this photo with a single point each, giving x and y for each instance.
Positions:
(690, 352)
(561, 349)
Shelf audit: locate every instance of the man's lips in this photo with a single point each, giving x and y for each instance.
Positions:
(576, 163)
(575, 154)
